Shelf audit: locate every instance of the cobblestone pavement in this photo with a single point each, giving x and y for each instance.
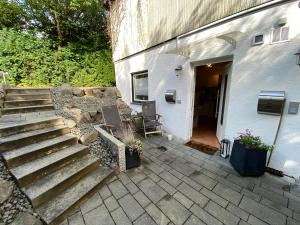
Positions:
(184, 186)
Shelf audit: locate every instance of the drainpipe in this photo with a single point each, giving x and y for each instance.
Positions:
(276, 135)
(273, 170)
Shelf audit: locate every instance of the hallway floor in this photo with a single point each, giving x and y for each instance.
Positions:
(205, 133)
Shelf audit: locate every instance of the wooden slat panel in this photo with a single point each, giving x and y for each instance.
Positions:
(150, 22)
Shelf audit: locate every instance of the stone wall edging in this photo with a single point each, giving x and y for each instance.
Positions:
(114, 143)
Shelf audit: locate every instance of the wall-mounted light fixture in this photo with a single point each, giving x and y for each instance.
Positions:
(209, 65)
(297, 54)
(178, 70)
(282, 22)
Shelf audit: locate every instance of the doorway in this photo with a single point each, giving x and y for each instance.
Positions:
(209, 105)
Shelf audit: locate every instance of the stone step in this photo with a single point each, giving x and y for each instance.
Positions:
(32, 171)
(35, 124)
(11, 97)
(51, 185)
(31, 137)
(60, 207)
(26, 109)
(28, 153)
(14, 119)
(32, 102)
(28, 90)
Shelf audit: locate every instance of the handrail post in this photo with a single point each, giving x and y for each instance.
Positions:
(2, 90)
(4, 75)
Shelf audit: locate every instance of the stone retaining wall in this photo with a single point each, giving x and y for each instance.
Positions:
(115, 145)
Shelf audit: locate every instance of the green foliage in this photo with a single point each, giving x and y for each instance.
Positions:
(65, 21)
(33, 60)
(95, 71)
(253, 142)
(12, 14)
(47, 43)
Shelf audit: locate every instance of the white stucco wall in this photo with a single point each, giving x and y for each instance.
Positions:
(254, 68)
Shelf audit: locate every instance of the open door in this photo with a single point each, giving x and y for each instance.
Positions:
(209, 106)
(209, 118)
(222, 102)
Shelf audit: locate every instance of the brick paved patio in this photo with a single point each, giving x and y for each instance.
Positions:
(185, 186)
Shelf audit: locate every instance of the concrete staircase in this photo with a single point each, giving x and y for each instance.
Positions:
(55, 172)
(19, 100)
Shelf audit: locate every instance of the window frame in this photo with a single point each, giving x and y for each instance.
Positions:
(281, 41)
(258, 43)
(133, 75)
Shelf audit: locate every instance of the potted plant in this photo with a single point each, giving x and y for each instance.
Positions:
(133, 151)
(249, 154)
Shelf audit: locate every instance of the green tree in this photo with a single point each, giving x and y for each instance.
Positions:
(50, 42)
(77, 21)
(11, 14)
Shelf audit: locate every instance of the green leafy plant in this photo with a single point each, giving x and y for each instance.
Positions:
(12, 14)
(33, 61)
(253, 142)
(47, 43)
(133, 144)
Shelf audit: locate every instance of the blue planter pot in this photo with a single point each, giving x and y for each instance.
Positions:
(248, 162)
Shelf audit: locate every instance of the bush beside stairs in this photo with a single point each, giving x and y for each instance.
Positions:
(56, 173)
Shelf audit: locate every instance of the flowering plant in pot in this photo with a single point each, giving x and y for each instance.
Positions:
(249, 154)
(133, 151)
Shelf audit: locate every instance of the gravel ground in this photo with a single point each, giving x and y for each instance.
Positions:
(100, 149)
(16, 203)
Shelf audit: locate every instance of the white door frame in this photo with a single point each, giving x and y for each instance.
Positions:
(195, 64)
(220, 133)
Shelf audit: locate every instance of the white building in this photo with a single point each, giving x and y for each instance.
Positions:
(227, 52)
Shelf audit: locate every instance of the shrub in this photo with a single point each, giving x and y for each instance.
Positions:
(32, 60)
(133, 144)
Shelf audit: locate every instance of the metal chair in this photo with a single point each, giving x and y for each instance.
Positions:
(113, 122)
(151, 120)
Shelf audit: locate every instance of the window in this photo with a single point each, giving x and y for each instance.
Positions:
(258, 39)
(280, 34)
(140, 86)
